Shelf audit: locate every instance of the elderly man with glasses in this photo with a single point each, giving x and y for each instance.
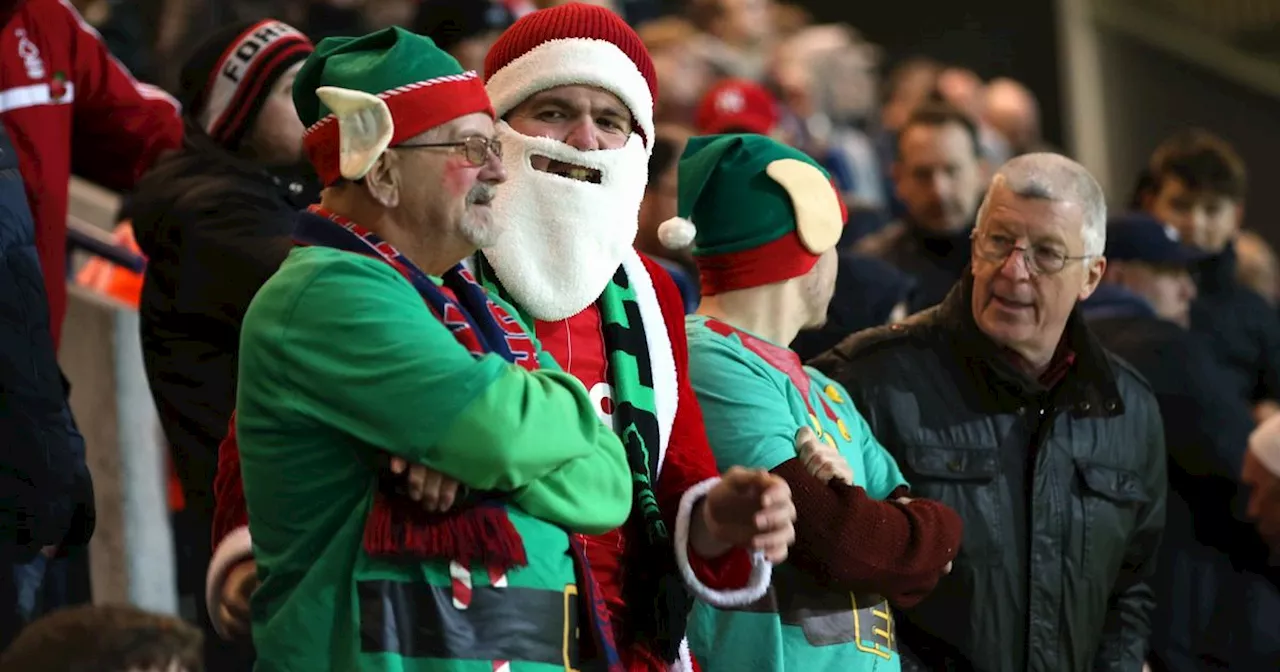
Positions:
(1001, 404)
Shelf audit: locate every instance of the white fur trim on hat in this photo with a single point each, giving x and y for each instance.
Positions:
(761, 568)
(677, 233)
(571, 61)
(365, 128)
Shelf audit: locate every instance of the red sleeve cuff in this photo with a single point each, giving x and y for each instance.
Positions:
(731, 571)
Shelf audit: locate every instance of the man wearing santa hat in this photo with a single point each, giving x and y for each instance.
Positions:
(575, 88)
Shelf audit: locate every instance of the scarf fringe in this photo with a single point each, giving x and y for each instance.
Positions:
(480, 535)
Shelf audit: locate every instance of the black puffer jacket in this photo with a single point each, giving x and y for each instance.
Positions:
(1062, 492)
(214, 227)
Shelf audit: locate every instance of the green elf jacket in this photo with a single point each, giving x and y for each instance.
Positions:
(341, 362)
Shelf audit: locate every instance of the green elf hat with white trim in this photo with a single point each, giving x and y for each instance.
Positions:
(756, 211)
(357, 96)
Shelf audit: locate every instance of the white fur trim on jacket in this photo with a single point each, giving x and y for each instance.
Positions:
(234, 548)
(574, 61)
(1264, 443)
(662, 361)
(685, 662)
(761, 569)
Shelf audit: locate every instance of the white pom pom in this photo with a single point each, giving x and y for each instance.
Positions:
(676, 233)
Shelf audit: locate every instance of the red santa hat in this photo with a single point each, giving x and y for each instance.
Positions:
(573, 44)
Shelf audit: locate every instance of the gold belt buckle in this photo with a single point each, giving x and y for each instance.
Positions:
(570, 591)
(881, 629)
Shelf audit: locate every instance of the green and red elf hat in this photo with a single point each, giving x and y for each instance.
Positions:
(756, 211)
(357, 96)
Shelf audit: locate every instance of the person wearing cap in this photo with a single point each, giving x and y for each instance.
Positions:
(374, 341)
(575, 88)
(1002, 403)
(737, 106)
(1141, 312)
(214, 221)
(613, 319)
(766, 220)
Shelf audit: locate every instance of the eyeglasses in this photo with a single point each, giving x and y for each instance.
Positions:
(475, 148)
(1041, 259)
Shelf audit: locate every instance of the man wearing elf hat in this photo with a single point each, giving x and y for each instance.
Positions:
(767, 222)
(373, 340)
(574, 87)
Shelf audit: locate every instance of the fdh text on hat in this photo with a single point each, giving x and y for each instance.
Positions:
(573, 44)
(756, 211)
(228, 77)
(360, 95)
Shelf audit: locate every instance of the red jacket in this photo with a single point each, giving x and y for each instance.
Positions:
(67, 103)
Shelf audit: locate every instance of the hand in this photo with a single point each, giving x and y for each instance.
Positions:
(820, 459)
(233, 614)
(751, 509)
(436, 491)
(1264, 499)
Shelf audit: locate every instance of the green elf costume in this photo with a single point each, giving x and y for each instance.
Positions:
(765, 213)
(351, 353)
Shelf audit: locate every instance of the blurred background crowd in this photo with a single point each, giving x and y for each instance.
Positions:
(909, 107)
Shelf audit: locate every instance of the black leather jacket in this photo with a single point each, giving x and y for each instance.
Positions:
(1062, 492)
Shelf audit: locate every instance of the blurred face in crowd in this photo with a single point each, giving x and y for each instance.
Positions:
(911, 87)
(276, 136)
(463, 181)
(682, 77)
(819, 286)
(742, 22)
(1024, 306)
(470, 53)
(939, 176)
(1204, 219)
(1169, 289)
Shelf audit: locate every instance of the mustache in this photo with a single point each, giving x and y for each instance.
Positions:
(481, 194)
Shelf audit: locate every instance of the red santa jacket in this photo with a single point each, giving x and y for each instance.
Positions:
(67, 103)
(688, 462)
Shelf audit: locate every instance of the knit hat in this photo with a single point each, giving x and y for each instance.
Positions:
(451, 22)
(228, 77)
(360, 95)
(764, 212)
(573, 44)
(739, 106)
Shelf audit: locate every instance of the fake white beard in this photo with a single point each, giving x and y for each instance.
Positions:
(563, 239)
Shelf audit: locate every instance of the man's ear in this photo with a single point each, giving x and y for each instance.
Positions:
(383, 180)
(1093, 275)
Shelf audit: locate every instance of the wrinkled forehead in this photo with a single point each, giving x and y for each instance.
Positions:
(1034, 218)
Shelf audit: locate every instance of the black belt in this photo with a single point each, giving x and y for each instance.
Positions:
(418, 620)
(828, 617)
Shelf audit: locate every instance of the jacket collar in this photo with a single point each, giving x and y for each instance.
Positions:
(294, 184)
(1089, 388)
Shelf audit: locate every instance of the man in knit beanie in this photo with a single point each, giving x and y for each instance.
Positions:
(373, 346)
(214, 220)
(765, 220)
(575, 88)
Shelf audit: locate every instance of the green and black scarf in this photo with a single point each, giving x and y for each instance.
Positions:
(652, 575)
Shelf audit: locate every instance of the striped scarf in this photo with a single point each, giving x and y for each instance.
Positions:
(658, 600)
(479, 531)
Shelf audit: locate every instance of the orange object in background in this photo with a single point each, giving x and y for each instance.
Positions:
(106, 278)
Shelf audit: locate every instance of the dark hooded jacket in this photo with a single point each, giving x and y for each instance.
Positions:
(214, 227)
(1242, 329)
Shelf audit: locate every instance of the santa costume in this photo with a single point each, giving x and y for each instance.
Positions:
(611, 317)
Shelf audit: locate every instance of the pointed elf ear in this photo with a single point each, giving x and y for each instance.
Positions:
(365, 128)
(817, 207)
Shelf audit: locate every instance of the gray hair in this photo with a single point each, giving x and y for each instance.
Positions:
(1053, 177)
